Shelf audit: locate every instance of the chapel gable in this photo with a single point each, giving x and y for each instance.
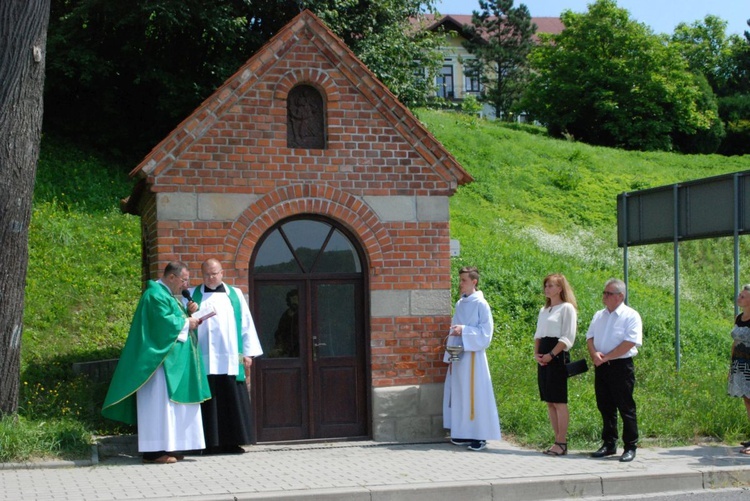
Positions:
(303, 152)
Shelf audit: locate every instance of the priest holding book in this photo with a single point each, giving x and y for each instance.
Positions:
(228, 342)
(159, 382)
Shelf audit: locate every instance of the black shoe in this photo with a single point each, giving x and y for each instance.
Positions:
(232, 449)
(461, 441)
(604, 451)
(627, 456)
(478, 445)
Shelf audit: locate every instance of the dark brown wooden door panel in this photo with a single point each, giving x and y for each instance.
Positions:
(283, 415)
(338, 390)
(342, 410)
(308, 306)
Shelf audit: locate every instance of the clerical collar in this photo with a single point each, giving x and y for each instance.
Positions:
(220, 288)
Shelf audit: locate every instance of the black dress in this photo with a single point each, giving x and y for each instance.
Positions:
(552, 378)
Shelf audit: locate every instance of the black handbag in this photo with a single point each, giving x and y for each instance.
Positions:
(577, 367)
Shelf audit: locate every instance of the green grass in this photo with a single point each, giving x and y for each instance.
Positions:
(537, 206)
(82, 286)
(23, 439)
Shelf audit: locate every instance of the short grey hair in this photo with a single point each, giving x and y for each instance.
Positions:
(618, 284)
(746, 287)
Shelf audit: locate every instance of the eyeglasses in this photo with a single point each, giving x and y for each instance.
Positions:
(607, 293)
(184, 280)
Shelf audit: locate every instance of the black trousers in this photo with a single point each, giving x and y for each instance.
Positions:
(227, 418)
(613, 383)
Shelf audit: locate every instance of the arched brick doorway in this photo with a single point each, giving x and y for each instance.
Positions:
(308, 289)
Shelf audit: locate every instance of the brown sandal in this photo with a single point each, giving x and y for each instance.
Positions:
(563, 449)
(165, 459)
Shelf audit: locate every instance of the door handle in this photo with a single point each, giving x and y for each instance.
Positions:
(315, 347)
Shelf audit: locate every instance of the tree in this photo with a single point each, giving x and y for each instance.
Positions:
(702, 141)
(123, 74)
(385, 35)
(500, 38)
(707, 49)
(609, 80)
(23, 37)
(739, 78)
(734, 105)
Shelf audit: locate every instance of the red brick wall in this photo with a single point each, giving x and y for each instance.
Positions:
(236, 144)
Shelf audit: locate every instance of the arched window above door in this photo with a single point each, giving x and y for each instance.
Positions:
(303, 246)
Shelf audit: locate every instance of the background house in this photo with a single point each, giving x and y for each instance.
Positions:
(327, 202)
(454, 82)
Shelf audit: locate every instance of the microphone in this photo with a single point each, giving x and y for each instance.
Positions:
(187, 296)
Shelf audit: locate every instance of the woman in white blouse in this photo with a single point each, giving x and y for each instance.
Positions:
(555, 334)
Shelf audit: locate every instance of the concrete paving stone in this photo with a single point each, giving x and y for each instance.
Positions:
(727, 477)
(646, 483)
(432, 491)
(383, 471)
(553, 487)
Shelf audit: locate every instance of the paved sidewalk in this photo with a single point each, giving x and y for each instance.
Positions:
(381, 472)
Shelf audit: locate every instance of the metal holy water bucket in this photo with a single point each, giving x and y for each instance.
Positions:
(454, 350)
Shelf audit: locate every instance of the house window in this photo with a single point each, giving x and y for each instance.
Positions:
(445, 82)
(471, 80)
(305, 118)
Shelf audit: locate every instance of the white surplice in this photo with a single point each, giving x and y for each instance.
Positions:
(217, 336)
(469, 408)
(164, 425)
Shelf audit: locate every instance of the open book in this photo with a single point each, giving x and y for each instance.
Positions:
(204, 313)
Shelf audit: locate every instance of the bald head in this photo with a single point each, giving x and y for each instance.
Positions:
(212, 273)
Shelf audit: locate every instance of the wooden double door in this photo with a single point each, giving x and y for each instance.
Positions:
(312, 381)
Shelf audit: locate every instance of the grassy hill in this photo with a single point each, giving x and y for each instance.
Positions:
(537, 206)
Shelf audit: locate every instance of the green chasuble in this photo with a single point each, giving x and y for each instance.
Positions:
(152, 341)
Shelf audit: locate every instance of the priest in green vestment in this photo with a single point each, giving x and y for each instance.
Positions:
(160, 382)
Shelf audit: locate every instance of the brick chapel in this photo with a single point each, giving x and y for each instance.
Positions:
(327, 202)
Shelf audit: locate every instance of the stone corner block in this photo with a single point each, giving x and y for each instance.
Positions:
(177, 206)
(389, 303)
(431, 399)
(395, 401)
(416, 428)
(433, 209)
(395, 208)
(430, 302)
(384, 430)
(223, 206)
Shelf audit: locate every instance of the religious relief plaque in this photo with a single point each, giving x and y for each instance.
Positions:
(305, 118)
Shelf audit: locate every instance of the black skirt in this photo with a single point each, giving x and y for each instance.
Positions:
(227, 419)
(552, 378)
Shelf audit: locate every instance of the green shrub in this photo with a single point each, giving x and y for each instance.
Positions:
(737, 140)
(471, 105)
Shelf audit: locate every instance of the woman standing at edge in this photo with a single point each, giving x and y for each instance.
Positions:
(739, 373)
(555, 334)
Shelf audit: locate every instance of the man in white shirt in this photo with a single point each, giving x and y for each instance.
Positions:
(228, 342)
(613, 339)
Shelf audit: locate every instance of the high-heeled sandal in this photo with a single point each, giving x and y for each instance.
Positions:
(563, 449)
